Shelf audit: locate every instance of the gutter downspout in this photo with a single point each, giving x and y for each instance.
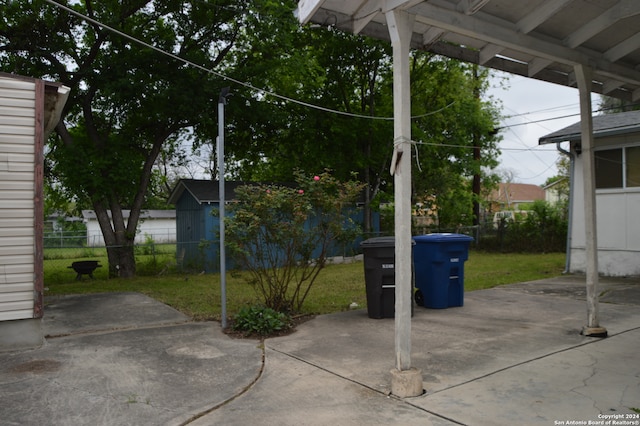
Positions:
(572, 159)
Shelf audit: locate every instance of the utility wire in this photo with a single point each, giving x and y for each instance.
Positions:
(553, 118)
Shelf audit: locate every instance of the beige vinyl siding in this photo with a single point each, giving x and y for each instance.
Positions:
(17, 191)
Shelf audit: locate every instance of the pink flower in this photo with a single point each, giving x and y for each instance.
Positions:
(316, 178)
(268, 191)
(300, 191)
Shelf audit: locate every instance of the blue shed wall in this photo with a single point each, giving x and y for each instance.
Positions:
(189, 230)
(197, 235)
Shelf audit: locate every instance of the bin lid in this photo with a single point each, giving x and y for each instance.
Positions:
(379, 242)
(441, 237)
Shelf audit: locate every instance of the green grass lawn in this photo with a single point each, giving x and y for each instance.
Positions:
(335, 289)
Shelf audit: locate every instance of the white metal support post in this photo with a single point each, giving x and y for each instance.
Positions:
(593, 328)
(405, 380)
(222, 101)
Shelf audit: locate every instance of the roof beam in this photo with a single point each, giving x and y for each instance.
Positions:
(505, 34)
(488, 52)
(610, 85)
(540, 15)
(536, 65)
(624, 48)
(470, 7)
(366, 13)
(501, 33)
(400, 4)
(431, 36)
(531, 69)
(307, 8)
(370, 8)
(623, 9)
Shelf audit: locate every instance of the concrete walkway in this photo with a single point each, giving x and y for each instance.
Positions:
(510, 355)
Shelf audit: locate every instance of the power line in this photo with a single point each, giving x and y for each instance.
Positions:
(541, 110)
(472, 147)
(555, 118)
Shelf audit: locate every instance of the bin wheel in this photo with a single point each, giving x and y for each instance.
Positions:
(419, 297)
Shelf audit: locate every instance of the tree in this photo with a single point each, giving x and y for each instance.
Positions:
(128, 103)
(353, 75)
(332, 70)
(454, 129)
(562, 181)
(611, 105)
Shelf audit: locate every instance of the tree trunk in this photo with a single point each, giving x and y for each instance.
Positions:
(119, 242)
(119, 236)
(122, 261)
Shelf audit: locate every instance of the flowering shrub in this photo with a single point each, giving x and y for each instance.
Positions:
(282, 234)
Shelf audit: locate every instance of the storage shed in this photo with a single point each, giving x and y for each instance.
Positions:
(196, 204)
(29, 110)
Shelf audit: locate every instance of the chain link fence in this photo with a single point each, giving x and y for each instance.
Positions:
(63, 248)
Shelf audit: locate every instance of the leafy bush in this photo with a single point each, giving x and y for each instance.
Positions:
(149, 246)
(260, 320)
(543, 230)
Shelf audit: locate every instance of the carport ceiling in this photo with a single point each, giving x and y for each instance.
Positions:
(541, 39)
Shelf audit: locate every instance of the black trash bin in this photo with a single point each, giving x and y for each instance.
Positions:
(379, 276)
(439, 269)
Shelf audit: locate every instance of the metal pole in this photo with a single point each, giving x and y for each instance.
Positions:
(584, 80)
(222, 101)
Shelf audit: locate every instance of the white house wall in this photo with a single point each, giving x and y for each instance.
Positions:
(17, 211)
(161, 230)
(617, 223)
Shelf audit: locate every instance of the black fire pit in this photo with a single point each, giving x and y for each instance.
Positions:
(84, 267)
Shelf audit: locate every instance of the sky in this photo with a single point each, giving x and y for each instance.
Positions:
(531, 109)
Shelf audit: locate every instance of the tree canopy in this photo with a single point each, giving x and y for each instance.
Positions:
(128, 102)
(145, 77)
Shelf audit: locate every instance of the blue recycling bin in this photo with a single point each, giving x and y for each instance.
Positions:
(439, 269)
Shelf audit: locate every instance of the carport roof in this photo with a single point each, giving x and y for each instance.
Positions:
(541, 39)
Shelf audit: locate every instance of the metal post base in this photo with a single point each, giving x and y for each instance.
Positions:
(594, 332)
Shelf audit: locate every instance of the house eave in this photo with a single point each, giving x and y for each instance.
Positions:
(572, 137)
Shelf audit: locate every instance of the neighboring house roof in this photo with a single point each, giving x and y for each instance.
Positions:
(516, 193)
(145, 214)
(603, 125)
